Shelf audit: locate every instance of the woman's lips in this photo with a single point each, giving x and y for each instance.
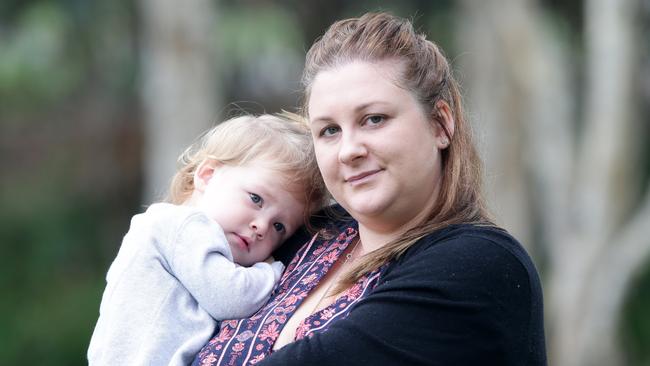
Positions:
(361, 177)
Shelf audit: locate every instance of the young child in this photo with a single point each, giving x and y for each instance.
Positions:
(183, 265)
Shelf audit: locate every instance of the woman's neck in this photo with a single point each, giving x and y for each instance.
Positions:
(377, 231)
(374, 235)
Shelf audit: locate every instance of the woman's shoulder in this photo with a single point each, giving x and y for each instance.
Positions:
(481, 254)
(471, 277)
(470, 240)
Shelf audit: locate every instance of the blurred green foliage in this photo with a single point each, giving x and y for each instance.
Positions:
(636, 322)
(53, 289)
(52, 270)
(31, 51)
(62, 66)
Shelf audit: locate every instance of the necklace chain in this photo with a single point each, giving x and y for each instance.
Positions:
(348, 258)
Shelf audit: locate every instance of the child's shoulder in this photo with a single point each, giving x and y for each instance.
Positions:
(169, 209)
(169, 216)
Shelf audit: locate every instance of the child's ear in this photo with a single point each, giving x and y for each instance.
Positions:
(204, 173)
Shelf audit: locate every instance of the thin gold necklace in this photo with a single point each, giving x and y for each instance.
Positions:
(348, 258)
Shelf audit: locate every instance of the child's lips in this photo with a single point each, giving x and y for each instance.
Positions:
(243, 242)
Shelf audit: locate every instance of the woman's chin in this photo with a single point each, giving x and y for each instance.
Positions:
(365, 208)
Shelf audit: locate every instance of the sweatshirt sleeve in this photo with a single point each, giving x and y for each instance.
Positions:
(200, 258)
(461, 302)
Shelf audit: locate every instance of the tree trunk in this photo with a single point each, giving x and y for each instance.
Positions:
(178, 85)
(611, 245)
(578, 196)
(519, 101)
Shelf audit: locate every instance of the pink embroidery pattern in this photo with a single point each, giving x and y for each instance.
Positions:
(248, 341)
(320, 321)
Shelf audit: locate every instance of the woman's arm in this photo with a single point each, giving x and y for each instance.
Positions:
(466, 301)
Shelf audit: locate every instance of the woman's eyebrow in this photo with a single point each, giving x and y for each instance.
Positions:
(323, 119)
(357, 109)
(369, 104)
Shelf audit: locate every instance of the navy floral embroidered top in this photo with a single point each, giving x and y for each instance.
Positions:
(250, 340)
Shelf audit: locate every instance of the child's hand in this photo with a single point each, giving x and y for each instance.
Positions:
(277, 266)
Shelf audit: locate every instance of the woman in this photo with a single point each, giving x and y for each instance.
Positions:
(416, 274)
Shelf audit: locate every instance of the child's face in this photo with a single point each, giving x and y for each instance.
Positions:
(252, 205)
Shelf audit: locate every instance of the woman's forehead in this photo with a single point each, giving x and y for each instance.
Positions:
(354, 86)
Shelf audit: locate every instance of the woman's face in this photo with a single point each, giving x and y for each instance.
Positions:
(377, 149)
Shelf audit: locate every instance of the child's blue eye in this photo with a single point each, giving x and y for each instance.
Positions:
(255, 198)
(278, 227)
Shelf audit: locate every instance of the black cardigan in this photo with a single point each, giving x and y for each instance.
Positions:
(463, 295)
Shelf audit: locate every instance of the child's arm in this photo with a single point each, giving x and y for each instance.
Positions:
(200, 260)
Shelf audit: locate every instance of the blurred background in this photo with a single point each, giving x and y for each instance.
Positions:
(98, 98)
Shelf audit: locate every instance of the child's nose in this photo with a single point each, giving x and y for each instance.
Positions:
(259, 228)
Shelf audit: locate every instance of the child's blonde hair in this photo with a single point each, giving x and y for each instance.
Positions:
(284, 141)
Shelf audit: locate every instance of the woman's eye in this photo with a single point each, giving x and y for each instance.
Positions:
(375, 119)
(278, 227)
(329, 131)
(256, 199)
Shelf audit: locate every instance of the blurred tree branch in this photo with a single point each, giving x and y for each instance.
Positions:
(179, 88)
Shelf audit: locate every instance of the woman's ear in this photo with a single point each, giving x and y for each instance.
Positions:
(204, 173)
(444, 124)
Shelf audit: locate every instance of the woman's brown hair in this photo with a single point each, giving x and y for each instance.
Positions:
(426, 73)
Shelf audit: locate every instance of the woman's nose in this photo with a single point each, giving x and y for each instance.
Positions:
(351, 148)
